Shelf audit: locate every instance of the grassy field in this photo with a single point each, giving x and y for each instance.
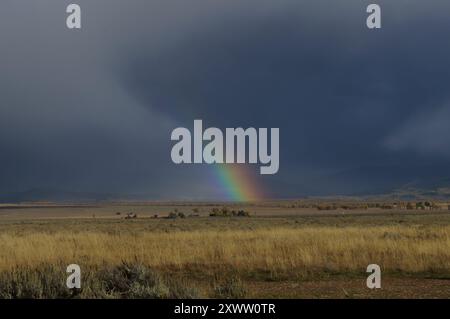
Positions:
(292, 255)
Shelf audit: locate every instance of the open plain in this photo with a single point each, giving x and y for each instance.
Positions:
(221, 250)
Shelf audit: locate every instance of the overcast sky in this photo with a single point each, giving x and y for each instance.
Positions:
(92, 110)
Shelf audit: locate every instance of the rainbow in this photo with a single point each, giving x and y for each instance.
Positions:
(237, 182)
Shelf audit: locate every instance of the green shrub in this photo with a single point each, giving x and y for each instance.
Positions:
(132, 281)
(123, 281)
(24, 283)
(243, 213)
(231, 288)
(172, 215)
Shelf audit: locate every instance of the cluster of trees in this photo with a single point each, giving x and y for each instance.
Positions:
(409, 205)
(225, 212)
(334, 206)
(422, 205)
(173, 215)
(178, 214)
(396, 205)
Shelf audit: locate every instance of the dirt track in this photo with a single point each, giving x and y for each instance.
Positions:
(354, 288)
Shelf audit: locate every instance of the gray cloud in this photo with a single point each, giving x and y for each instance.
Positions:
(93, 110)
(427, 132)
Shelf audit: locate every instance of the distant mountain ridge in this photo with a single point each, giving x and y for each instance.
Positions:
(52, 195)
(401, 180)
(362, 182)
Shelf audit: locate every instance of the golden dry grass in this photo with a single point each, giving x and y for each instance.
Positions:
(316, 248)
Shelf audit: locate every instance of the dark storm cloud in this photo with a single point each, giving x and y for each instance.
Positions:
(340, 93)
(93, 110)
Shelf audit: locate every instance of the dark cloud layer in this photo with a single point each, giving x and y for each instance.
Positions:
(358, 110)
